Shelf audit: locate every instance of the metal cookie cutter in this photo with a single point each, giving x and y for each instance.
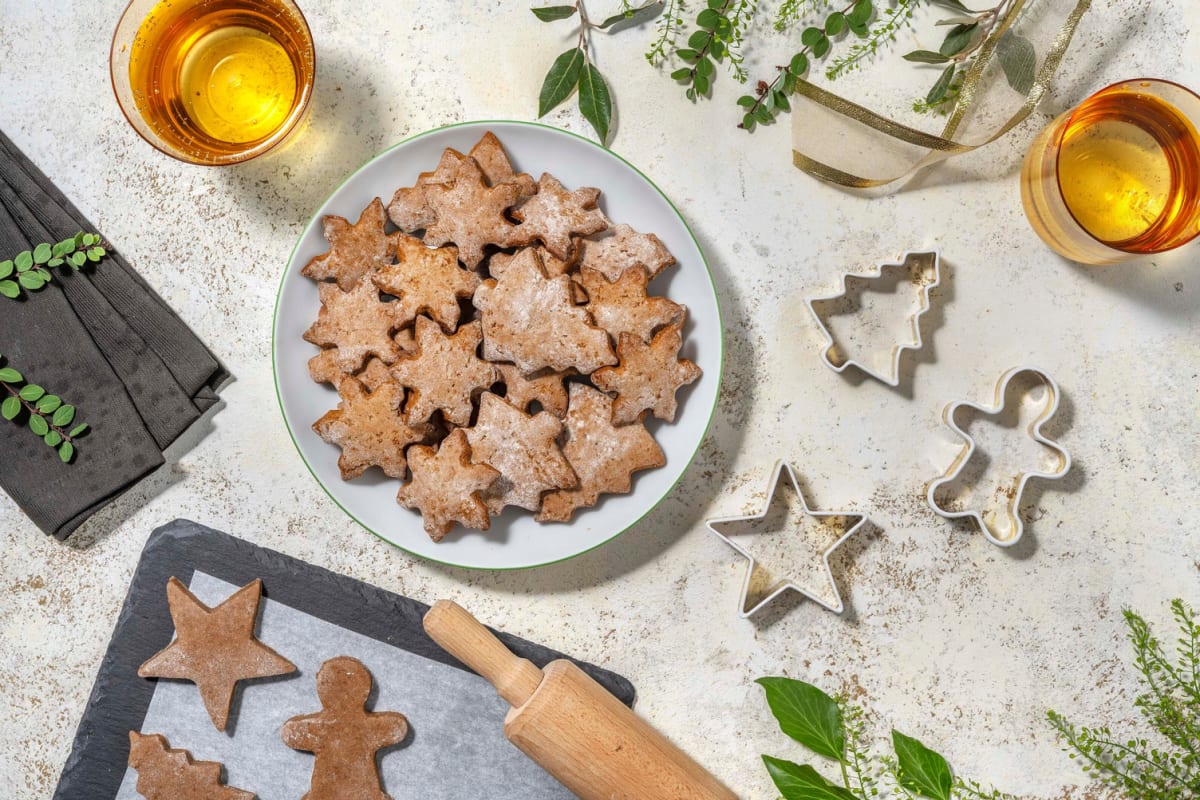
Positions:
(922, 269)
(1009, 533)
(852, 523)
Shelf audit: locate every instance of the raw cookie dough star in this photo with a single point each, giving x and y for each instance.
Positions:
(725, 527)
(215, 648)
(354, 250)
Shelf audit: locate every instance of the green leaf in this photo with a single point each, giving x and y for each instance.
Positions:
(77, 258)
(701, 84)
(6, 269)
(94, 254)
(545, 14)
(101, 251)
(32, 392)
(708, 19)
(811, 36)
(54, 262)
(647, 10)
(91, 239)
(862, 12)
(763, 114)
(938, 92)
(1019, 60)
(10, 289)
(595, 102)
(67, 245)
(705, 68)
(796, 782)
(49, 404)
(79, 239)
(698, 39)
(955, 21)
(926, 57)
(38, 425)
(31, 281)
(859, 29)
(64, 416)
(745, 101)
(806, 714)
(921, 769)
(835, 23)
(65, 451)
(681, 74)
(10, 375)
(57, 250)
(799, 64)
(781, 101)
(821, 47)
(52, 438)
(748, 122)
(10, 407)
(41, 253)
(24, 260)
(687, 54)
(958, 38)
(78, 430)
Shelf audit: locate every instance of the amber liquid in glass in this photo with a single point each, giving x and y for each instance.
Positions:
(1129, 171)
(221, 76)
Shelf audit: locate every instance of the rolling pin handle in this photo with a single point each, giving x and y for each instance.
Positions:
(465, 638)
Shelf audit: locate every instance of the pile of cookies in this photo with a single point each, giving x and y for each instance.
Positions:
(495, 345)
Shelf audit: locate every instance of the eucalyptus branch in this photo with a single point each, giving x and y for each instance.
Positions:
(30, 269)
(48, 416)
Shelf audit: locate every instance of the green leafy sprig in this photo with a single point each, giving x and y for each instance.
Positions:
(834, 729)
(574, 69)
(30, 269)
(48, 416)
(772, 97)
(1141, 769)
(720, 28)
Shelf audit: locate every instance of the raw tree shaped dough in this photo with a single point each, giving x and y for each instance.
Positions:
(444, 373)
(369, 429)
(603, 456)
(446, 486)
(166, 773)
(554, 215)
(357, 323)
(354, 250)
(624, 249)
(648, 376)
(343, 735)
(426, 279)
(530, 320)
(215, 648)
(523, 449)
(623, 306)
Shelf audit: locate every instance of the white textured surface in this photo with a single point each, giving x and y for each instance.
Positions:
(946, 636)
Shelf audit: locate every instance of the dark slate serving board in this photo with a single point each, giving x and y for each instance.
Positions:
(120, 699)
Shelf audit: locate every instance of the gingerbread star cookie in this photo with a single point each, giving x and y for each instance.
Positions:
(531, 320)
(354, 250)
(358, 323)
(603, 456)
(369, 429)
(545, 387)
(446, 486)
(325, 367)
(426, 280)
(167, 773)
(554, 215)
(622, 306)
(523, 448)
(469, 213)
(497, 168)
(648, 375)
(444, 373)
(343, 735)
(623, 249)
(215, 648)
(409, 208)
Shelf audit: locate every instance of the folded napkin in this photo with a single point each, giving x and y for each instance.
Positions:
(105, 342)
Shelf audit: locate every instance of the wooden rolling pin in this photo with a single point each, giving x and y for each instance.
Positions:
(570, 725)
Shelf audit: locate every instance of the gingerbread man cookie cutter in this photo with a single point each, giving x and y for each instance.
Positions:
(922, 269)
(853, 522)
(1010, 533)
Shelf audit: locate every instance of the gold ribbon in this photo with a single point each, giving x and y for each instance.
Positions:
(938, 147)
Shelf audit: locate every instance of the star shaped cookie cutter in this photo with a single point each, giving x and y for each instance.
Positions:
(923, 270)
(714, 525)
(1002, 537)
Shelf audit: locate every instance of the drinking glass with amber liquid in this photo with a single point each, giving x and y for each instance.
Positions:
(213, 81)
(1118, 176)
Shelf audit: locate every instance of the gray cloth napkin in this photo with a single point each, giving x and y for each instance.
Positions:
(105, 342)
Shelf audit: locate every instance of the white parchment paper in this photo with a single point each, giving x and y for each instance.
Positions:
(455, 749)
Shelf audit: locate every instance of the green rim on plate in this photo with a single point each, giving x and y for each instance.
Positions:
(707, 271)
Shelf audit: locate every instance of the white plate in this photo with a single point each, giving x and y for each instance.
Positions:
(515, 540)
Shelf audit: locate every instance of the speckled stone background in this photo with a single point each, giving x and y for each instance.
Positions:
(946, 637)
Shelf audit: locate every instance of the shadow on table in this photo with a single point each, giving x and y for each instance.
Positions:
(673, 517)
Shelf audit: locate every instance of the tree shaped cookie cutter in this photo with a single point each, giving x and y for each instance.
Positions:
(853, 522)
(1010, 535)
(921, 268)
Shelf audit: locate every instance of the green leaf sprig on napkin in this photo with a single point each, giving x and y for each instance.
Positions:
(834, 729)
(30, 269)
(47, 415)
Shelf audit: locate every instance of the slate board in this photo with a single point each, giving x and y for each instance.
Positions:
(120, 700)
